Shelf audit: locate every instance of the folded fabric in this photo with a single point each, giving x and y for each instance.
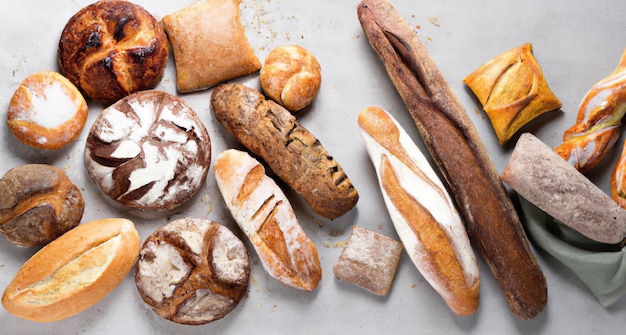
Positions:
(601, 267)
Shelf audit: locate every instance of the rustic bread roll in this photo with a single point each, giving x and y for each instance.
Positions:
(291, 76)
(549, 182)
(209, 44)
(148, 151)
(369, 260)
(192, 271)
(422, 211)
(513, 91)
(110, 49)
(262, 211)
(46, 111)
(73, 272)
(298, 158)
(38, 203)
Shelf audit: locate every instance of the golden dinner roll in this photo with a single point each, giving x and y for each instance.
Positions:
(73, 272)
(46, 111)
(291, 76)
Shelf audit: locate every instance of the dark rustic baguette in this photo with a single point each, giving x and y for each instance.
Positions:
(453, 142)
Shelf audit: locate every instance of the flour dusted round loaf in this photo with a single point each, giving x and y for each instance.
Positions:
(110, 49)
(148, 151)
(46, 111)
(193, 271)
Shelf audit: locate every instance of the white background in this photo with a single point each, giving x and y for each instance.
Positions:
(575, 42)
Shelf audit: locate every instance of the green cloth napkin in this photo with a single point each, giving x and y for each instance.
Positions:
(600, 266)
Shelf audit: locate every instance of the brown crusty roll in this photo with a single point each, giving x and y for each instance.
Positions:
(462, 158)
(298, 158)
(110, 49)
(73, 272)
(422, 211)
(555, 186)
(38, 203)
(192, 271)
(265, 215)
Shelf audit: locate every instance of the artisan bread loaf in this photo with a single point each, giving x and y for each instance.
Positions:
(422, 211)
(110, 49)
(193, 271)
(265, 215)
(73, 272)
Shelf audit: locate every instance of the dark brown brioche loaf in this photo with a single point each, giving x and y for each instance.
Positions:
(291, 151)
(110, 49)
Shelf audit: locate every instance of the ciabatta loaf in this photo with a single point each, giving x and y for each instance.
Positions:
(265, 215)
(73, 272)
(422, 212)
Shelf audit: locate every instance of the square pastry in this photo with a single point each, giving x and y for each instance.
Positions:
(209, 44)
(369, 260)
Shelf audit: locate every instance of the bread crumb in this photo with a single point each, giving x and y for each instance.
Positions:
(434, 21)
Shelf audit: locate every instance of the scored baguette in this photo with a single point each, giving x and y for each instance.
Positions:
(73, 272)
(265, 215)
(297, 157)
(462, 158)
(555, 186)
(422, 211)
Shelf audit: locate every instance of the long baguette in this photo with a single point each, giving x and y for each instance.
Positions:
(455, 146)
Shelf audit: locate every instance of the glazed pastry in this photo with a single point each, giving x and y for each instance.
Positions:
(556, 187)
(192, 271)
(458, 151)
(298, 158)
(512, 90)
(422, 212)
(209, 44)
(148, 151)
(46, 111)
(369, 260)
(291, 76)
(111, 49)
(618, 180)
(598, 123)
(265, 215)
(73, 272)
(38, 203)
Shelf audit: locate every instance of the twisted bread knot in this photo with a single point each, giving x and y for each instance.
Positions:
(291, 76)
(598, 124)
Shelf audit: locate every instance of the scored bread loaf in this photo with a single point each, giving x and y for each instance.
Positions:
(73, 272)
(265, 215)
(422, 211)
(296, 156)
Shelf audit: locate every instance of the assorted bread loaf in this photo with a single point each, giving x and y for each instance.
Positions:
(148, 150)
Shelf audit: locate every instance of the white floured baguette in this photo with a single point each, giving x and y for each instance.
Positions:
(265, 215)
(422, 211)
(73, 272)
(552, 184)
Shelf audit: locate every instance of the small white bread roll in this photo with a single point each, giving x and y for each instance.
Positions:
(422, 211)
(73, 272)
(291, 76)
(265, 215)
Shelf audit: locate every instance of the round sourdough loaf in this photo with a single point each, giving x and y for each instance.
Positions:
(110, 49)
(193, 271)
(73, 272)
(148, 151)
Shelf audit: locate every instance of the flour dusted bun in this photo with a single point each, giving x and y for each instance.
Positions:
(148, 151)
(110, 49)
(73, 272)
(46, 111)
(193, 271)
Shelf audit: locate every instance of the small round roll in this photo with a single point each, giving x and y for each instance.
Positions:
(46, 111)
(291, 76)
